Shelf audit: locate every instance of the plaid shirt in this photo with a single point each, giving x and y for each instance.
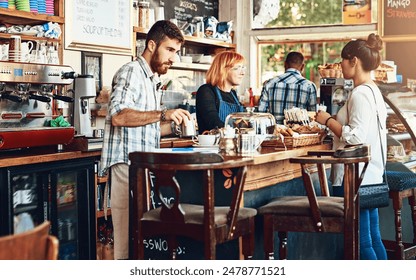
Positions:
(286, 91)
(134, 87)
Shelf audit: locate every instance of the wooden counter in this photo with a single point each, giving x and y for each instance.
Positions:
(271, 166)
(16, 158)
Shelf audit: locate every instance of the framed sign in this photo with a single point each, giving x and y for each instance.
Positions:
(99, 25)
(92, 65)
(399, 19)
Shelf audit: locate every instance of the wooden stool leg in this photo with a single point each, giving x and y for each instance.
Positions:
(412, 202)
(173, 245)
(283, 245)
(397, 207)
(248, 246)
(268, 240)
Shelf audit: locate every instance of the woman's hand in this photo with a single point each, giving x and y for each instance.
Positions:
(322, 116)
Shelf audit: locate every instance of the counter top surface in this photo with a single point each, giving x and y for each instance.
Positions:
(21, 157)
(16, 158)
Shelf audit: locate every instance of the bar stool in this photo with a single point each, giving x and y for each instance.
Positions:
(312, 213)
(206, 222)
(402, 184)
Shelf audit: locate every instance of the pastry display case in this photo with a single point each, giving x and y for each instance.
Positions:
(401, 124)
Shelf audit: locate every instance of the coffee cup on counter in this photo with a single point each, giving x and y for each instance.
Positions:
(206, 140)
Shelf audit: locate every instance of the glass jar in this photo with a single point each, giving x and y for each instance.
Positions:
(250, 122)
(144, 8)
(135, 13)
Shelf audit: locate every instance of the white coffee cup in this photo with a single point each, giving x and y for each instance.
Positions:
(207, 140)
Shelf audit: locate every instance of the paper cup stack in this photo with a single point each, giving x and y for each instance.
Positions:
(23, 5)
(42, 7)
(12, 4)
(50, 9)
(33, 6)
(4, 4)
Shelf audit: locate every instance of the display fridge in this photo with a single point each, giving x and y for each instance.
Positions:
(61, 192)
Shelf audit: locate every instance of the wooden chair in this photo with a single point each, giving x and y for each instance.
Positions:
(208, 223)
(35, 244)
(312, 213)
(402, 184)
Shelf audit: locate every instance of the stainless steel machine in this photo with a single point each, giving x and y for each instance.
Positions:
(334, 92)
(27, 107)
(84, 90)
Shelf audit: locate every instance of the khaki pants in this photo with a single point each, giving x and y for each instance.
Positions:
(120, 209)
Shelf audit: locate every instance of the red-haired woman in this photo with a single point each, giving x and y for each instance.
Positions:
(216, 99)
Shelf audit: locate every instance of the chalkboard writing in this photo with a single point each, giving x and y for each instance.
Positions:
(399, 17)
(184, 9)
(100, 24)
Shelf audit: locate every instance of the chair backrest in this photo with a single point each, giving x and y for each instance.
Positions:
(35, 244)
(160, 169)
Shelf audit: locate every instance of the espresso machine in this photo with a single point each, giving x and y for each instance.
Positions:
(27, 107)
(334, 93)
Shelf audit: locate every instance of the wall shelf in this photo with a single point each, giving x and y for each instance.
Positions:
(15, 17)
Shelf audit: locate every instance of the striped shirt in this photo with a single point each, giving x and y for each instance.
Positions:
(286, 91)
(134, 87)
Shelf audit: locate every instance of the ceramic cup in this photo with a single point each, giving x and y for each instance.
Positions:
(206, 140)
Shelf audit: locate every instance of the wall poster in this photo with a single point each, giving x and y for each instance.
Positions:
(356, 12)
(99, 25)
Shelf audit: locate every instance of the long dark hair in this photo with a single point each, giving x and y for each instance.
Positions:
(368, 51)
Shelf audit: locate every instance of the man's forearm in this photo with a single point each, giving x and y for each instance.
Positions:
(133, 118)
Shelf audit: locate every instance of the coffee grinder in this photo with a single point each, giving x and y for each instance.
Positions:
(84, 90)
(334, 93)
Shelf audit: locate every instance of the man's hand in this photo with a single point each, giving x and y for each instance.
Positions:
(177, 115)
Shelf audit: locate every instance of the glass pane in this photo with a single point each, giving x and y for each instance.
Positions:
(272, 58)
(269, 14)
(291, 13)
(27, 201)
(67, 213)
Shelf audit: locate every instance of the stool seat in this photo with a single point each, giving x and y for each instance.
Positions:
(400, 181)
(402, 184)
(299, 206)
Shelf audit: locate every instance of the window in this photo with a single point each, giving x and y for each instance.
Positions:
(290, 13)
(315, 53)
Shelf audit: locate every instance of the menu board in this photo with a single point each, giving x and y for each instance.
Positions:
(399, 17)
(103, 25)
(184, 9)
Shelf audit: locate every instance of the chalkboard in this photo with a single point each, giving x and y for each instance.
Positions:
(184, 9)
(98, 25)
(399, 17)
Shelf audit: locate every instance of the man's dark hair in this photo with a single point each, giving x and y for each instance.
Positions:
(294, 59)
(162, 29)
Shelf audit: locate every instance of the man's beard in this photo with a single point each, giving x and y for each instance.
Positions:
(158, 66)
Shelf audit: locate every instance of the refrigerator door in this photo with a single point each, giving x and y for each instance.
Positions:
(72, 220)
(61, 192)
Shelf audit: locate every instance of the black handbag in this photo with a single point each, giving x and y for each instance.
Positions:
(375, 195)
